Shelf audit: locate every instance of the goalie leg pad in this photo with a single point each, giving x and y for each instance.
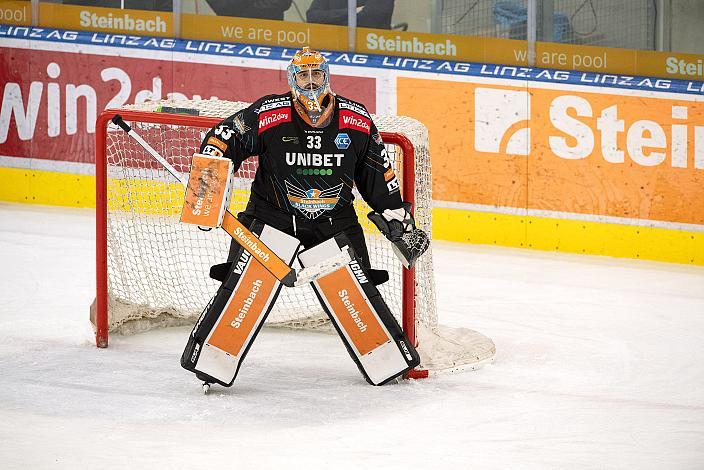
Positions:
(228, 326)
(364, 322)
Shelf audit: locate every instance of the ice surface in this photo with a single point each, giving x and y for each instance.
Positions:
(599, 365)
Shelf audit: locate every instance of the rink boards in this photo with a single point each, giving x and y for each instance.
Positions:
(524, 157)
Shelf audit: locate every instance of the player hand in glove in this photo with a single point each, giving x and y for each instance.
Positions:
(399, 227)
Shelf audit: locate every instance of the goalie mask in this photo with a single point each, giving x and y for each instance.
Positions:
(309, 78)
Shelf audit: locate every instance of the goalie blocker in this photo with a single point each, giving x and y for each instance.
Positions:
(356, 309)
(229, 324)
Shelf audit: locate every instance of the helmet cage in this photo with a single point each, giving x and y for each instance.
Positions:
(311, 98)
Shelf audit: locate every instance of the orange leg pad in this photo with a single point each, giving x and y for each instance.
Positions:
(366, 325)
(227, 328)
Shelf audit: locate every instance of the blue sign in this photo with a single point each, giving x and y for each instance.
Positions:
(469, 69)
(343, 141)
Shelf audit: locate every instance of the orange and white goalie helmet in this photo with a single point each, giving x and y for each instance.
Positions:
(309, 78)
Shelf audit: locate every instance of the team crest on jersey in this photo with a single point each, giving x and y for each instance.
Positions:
(313, 202)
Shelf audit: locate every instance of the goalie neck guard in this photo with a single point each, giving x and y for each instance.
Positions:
(309, 79)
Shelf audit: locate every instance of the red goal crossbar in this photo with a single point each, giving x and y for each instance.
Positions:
(101, 302)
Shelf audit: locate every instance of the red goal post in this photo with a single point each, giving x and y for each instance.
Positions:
(113, 150)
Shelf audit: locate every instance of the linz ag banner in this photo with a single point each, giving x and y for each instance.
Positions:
(500, 136)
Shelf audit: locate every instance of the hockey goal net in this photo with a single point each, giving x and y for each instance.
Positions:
(153, 271)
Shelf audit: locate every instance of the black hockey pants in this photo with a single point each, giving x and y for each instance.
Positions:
(309, 232)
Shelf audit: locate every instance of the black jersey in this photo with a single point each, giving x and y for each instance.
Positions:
(307, 171)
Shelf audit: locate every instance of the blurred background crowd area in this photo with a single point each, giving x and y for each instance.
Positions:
(662, 25)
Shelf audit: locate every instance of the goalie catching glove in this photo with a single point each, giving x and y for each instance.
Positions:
(399, 227)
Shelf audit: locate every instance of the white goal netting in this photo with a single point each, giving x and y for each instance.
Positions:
(158, 268)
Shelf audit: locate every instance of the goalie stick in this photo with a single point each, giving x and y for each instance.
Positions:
(244, 237)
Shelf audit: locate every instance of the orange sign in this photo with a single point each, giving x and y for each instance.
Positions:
(113, 20)
(14, 12)
(405, 45)
(601, 152)
(207, 191)
(670, 64)
(264, 32)
(254, 246)
(352, 311)
(246, 306)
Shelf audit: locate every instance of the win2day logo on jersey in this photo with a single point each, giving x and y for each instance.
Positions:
(313, 202)
(342, 141)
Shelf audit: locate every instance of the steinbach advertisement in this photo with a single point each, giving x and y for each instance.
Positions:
(506, 136)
